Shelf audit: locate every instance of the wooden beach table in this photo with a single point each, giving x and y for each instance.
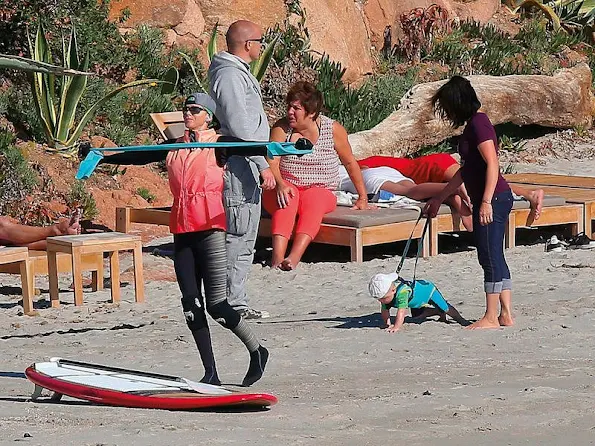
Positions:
(38, 266)
(583, 197)
(77, 246)
(546, 179)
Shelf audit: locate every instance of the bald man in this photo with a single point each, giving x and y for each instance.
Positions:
(241, 114)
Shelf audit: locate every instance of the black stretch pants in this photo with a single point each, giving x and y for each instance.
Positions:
(200, 258)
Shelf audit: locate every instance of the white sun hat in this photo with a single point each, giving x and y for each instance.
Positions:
(380, 284)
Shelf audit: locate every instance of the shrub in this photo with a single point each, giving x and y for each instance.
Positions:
(17, 179)
(21, 173)
(360, 108)
(473, 48)
(443, 147)
(143, 192)
(90, 17)
(80, 198)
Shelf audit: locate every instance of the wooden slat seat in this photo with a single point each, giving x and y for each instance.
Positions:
(546, 179)
(19, 258)
(169, 124)
(556, 211)
(583, 197)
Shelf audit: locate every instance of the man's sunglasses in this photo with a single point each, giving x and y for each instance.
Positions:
(261, 40)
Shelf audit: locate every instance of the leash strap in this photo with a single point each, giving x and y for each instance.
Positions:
(408, 245)
(420, 247)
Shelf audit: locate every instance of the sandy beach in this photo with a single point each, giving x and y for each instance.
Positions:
(340, 379)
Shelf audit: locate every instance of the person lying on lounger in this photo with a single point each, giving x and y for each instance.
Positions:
(385, 178)
(12, 233)
(440, 168)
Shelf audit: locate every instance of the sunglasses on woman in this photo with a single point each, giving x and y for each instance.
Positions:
(193, 110)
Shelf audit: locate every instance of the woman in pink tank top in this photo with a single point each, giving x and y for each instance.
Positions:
(305, 183)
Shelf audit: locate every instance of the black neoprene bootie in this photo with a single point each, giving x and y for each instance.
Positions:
(202, 337)
(258, 361)
(211, 377)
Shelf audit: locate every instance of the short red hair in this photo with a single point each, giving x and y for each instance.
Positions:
(307, 95)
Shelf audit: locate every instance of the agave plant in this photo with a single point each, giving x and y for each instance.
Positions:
(573, 16)
(57, 111)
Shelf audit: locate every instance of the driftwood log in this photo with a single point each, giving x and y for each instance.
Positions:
(563, 100)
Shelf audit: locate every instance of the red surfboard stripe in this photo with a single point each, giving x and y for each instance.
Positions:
(124, 399)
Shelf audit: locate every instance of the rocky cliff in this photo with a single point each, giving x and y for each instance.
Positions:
(347, 30)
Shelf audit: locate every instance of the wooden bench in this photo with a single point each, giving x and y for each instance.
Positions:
(546, 179)
(556, 211)
(357, 229)
(78, 246)
(20, 258)
(583, 197)
(343, 227)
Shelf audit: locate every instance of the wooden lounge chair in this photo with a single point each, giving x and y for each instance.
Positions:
(552, 180)
(344, 227)
(169, 124)
(583, 197)
(356, 229)
(556, 211)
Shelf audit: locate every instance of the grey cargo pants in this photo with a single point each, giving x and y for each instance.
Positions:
(242, 208)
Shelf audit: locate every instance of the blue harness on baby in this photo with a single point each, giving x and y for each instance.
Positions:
(422, 291)
(274, 148)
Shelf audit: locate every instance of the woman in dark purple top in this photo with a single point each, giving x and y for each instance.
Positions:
(491, 197)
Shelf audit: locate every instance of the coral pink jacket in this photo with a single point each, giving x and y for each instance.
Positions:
(196, 182)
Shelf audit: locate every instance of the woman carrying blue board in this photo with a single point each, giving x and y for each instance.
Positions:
(198, 223)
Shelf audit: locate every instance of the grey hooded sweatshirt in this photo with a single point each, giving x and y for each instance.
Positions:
(241, 114)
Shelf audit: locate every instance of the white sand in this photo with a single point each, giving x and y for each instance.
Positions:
(339, 379)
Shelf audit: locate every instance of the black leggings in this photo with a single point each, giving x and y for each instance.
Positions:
(200, 258)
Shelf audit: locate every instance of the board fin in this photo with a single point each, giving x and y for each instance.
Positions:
(36, 392)
(55, 397)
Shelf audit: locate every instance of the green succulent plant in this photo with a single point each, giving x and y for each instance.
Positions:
(57, 91)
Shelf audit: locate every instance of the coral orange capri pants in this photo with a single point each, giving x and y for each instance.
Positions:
(309, 206)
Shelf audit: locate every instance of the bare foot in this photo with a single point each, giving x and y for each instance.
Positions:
(287, 265)
(68, 226)
(483, 323)
(276, 262)
(506, 320)
(536, 201)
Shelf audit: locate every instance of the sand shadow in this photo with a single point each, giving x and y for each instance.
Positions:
(162, 250)
(372, 320)
(12, 375)
(76, 331)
